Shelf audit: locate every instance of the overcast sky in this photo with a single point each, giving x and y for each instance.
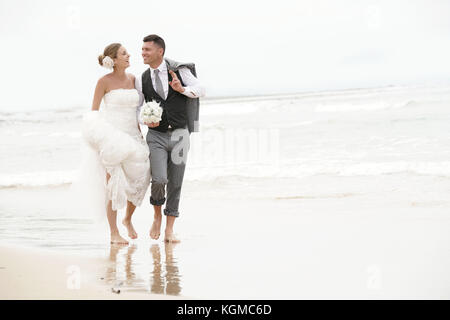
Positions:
(49, 48)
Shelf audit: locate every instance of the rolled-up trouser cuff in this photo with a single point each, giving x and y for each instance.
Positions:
(157, 202)
(171, 213)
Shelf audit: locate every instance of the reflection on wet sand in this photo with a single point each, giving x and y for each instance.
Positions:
(132, 270)
(168, 282)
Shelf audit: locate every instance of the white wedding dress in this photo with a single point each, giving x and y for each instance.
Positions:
(118, 148)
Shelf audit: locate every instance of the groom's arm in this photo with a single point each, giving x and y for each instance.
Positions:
(193, 87)
(138, 87)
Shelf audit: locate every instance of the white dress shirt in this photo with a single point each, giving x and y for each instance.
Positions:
(192, 89)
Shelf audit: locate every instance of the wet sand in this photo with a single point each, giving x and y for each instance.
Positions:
(318, 237)
(27, 273)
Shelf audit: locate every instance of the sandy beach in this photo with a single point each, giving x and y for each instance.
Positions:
(319, 238)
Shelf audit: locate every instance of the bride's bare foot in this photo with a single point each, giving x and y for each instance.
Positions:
(117, 239)
(131, 232)
(170, 237)
(155, 231)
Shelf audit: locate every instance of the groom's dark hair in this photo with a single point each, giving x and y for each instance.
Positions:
(157, 40)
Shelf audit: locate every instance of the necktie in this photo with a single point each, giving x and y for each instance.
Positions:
(159, 87)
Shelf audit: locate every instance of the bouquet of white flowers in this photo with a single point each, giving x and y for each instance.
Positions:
(150, 112)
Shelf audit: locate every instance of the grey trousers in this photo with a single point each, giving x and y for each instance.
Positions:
(168, 156)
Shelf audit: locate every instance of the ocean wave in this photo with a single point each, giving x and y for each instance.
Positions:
(250, 170)
(298, 170)
(37, 179)
(32, 117)
(441, 169)
(70, 134)
(362, 106)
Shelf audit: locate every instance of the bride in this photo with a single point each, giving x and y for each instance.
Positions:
(114, 134)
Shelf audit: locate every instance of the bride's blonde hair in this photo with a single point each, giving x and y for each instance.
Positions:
(110, 51)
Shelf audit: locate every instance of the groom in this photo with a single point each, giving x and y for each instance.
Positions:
(176, 88)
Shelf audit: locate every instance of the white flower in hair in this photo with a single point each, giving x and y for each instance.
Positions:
(107, 62)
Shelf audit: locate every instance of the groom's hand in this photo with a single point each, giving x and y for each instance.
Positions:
(175, 83)
(152, 124)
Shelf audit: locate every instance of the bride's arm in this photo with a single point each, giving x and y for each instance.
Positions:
(98, 95)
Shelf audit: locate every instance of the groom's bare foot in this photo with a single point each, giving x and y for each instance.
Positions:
(131, 232)
(170, 237)
(117, 239)
(155, 231)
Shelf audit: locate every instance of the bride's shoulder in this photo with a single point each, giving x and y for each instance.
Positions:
(102, 84)
(105, 79)
(131, 76)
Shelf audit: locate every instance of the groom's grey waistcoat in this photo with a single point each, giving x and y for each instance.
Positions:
(178, 110)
